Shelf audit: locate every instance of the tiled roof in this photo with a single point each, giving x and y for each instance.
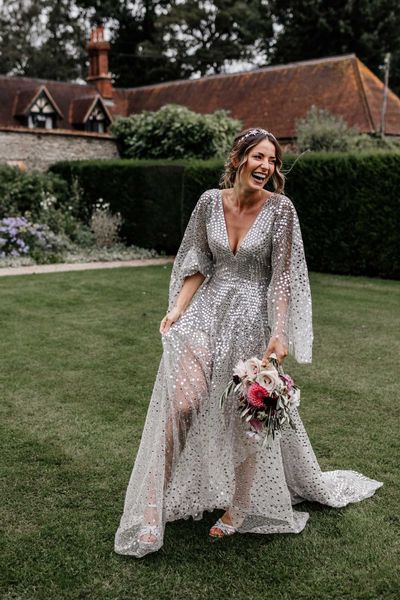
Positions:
(18, 93)
(275, 97)
(25, 99)
(82, 107)
(271, 97)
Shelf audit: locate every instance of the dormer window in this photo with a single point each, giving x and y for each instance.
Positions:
(97, 121)
(42, 113)
(36, 108)
(89, 113)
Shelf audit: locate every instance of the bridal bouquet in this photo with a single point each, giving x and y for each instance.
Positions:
(264, 396)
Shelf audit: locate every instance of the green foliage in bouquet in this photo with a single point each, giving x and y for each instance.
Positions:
(176, 132)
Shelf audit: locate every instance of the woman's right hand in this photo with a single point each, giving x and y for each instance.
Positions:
(171, 317)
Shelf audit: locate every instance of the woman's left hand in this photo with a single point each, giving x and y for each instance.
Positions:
(277, 347)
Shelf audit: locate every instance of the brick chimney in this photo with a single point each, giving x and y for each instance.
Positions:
(98, 63)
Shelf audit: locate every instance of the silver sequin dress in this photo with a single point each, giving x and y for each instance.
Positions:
(194, 457)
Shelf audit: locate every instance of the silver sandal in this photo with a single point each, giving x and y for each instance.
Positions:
(154, 530)
(224, 527)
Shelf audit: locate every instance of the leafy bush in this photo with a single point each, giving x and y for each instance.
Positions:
(43, 198)
(22, 191)
(320, 130)
(19, 237)
(373, 143)
(199, 175)
(175, 132)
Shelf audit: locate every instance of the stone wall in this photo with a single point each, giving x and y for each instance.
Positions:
(38, 150)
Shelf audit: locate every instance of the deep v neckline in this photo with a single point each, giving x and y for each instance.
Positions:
(221, 202)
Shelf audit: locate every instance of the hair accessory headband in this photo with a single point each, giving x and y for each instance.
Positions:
(254, 132)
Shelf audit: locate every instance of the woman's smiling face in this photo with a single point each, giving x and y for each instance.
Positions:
(260, 165)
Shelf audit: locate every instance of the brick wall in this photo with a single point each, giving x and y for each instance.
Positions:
(38, 150)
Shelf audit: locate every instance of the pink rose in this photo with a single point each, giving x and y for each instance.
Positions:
(288, 381)
(256, 395)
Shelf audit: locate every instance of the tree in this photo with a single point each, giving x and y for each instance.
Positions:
(161, 40)
(206, 37)
(158, 40)
(138, 48)
(39, 38)
(315, 28)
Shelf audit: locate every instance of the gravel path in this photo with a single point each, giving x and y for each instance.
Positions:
(62, 267)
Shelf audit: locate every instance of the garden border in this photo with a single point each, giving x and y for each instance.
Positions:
(89, 266)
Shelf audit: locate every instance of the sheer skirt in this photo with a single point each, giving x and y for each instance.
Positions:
(194, 457)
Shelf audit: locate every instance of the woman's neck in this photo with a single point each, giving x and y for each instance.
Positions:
(245, 197)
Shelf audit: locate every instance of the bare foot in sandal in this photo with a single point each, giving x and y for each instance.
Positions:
(222, 527)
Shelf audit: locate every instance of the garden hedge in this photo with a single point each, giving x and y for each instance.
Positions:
(348, 204)
(147, 194)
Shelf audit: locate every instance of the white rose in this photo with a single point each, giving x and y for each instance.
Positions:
(294, 396)
(240, 370)
(269, 379)
(253, 367)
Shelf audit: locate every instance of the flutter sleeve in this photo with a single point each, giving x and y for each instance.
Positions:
(194, 254)
(289, 296)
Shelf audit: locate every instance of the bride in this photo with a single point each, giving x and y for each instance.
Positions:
(239, 288)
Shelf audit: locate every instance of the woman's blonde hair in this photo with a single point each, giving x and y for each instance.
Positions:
(243, 143)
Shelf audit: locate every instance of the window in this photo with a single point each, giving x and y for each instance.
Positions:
(98, 120)
(42, 114)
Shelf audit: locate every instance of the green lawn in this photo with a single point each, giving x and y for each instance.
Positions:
(79, 352)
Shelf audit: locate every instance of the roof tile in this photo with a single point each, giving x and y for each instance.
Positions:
(271, 97)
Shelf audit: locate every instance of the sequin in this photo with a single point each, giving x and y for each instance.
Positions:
(193, 457)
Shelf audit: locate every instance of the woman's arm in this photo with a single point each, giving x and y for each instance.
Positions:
(194, 255)
(280, 289)
(289, 297)
(189, 288)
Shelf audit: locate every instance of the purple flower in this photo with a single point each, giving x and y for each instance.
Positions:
(288, 381)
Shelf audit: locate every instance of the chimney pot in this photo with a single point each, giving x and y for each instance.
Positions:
(99, 75)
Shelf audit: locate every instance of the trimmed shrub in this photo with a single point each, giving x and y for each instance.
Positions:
(348, 204)
(349, 211)
(147, 194)
(175, 132)
(198, 177)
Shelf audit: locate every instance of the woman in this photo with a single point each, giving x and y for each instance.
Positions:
(239, 288)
